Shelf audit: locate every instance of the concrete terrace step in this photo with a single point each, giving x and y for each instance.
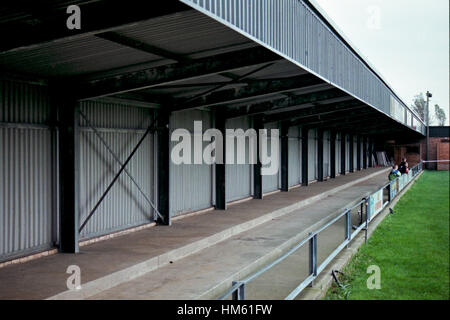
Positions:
(209, 273)
(135, 272)
(108, 264)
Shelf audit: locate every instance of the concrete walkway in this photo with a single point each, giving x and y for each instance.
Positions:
(197, 257)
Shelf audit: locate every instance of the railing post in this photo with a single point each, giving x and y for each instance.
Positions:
(361, 210)
(348, 225)
(239, 294)
(313, 256)
(389, 192)
(366, 234)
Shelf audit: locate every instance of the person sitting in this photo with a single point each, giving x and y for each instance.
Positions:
(394, 174)
(403, 166)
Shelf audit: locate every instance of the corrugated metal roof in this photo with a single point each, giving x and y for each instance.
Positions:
(65, 58)
(187, 33)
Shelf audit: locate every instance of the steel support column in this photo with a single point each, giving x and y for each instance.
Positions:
(351, 145)
(332, 154)
(257, 177)
(370, 145)
(163, 164)
(304, 156)
(69, 172)
(320, 154)
(221, 200)
(285, 157)
(358, 152)
(364, 152)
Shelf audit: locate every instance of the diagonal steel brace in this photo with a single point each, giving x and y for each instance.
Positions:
(122, 168)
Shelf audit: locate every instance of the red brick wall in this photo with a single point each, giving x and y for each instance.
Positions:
(443, 154)
(439, 150)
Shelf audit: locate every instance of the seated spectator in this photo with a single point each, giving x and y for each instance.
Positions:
(403, 166)
(394, 173)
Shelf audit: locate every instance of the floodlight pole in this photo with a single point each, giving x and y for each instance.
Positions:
(429, 95)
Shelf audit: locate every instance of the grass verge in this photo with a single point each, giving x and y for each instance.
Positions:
(411, 248)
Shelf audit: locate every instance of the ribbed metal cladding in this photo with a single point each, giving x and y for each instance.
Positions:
(271, 182)
(238, 177)
(347, 152)
(190, 184)
(26, 217)
(312, 155)
(292, 29)
(338, 152)
(326, 154)
(121, 126)
(295, 157)
(23, 103)
(361, 152)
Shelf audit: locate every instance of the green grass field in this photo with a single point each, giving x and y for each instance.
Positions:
(411, 247)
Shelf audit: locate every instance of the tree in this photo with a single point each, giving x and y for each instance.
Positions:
(440, 115)
(420, 106)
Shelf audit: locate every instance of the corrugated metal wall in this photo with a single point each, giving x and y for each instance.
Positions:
(292, 29)
(121, 126)
(312, 155)
(326, 154)
(271, 183)
(190, 184)
(295, 156)
(362, 153)
(338, 153)
(238, 177)
(347, 152)
(26, 212)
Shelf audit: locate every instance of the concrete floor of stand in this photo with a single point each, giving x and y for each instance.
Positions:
(191, 277)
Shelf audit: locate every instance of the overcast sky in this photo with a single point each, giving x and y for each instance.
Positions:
(407, 41)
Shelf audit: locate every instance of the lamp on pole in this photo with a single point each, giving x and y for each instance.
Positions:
(429, 95)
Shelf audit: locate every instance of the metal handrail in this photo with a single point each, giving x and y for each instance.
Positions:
(238, 287)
